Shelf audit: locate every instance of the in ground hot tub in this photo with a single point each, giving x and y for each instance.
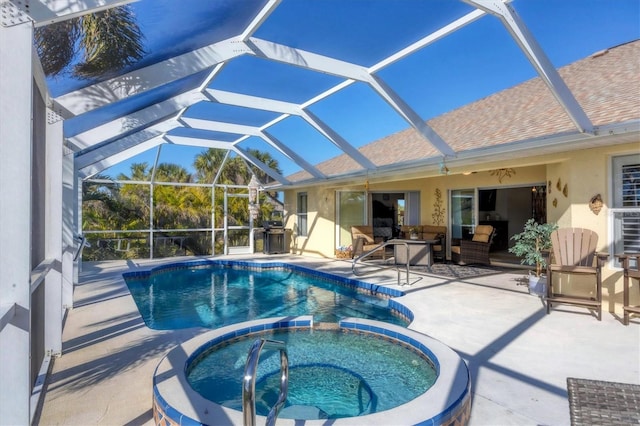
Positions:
(360, 372)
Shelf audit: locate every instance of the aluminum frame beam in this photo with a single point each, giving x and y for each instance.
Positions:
(44, 12)
(151, 77)
(218, 54)
(285, 150)
(53, 238)
(259, 19)
(211, 143)
(201, 142)
(337, 140)
(259, 164)
(220, 126)
(292, 56)
(536, 56)
(123, 144)
(165, 110)
(412, 117)
(138, 148)
(255, 102)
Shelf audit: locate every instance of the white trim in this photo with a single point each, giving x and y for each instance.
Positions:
(40, 272)
(615, 163)
(45, 12)
(37, 393)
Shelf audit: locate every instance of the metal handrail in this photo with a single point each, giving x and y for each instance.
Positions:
(249, 381)
(378, 247)
(82, 243)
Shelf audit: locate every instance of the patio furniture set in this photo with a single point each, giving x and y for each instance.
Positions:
(573, 253)
(421, 245)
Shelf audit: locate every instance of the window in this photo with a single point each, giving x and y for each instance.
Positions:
(626, 204)
(302, 214)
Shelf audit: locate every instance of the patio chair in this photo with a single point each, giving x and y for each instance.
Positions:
(574, 252)
(362, 241)
(433, 232)
(476, 250)
(629, 273)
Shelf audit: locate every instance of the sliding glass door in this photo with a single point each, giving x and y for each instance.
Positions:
(352, 210)
(463, 213)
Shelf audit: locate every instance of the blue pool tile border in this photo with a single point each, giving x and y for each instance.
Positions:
(266, 265)
(374, 289)
(297, 322)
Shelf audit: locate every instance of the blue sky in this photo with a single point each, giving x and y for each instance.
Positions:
(471, 64)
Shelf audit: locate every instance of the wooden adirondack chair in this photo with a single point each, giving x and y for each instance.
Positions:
(574, 252)
(629, 273)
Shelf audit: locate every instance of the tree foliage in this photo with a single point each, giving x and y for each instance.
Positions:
(91, 46)
(125, 206)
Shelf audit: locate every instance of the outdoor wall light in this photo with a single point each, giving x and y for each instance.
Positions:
(444, 170)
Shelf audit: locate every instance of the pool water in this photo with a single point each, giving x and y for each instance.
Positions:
(332, 374)
(214, 295)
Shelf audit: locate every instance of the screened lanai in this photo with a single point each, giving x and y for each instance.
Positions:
(126, 96)
(278, 86)
(268, 75)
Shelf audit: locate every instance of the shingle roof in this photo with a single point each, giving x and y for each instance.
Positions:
(605, 84)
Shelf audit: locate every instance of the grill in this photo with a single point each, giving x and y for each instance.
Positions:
(274, 237)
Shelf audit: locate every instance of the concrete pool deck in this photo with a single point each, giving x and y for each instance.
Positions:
(518, 356)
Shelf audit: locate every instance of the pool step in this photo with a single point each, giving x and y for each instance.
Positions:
(303, 412)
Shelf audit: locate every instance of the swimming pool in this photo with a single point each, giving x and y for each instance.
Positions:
(214, 293)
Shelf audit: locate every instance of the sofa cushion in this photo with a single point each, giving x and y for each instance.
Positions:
(481, 238)
(364, 232)
(482, 233)
(434, 229)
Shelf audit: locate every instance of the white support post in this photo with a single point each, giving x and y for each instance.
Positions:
(15, 220)
(77, 223)
(226, 221)
(68, 228)
(53, 240)
(213, 218)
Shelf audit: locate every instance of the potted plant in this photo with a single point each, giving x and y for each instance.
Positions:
(529, 246)
(413, 232)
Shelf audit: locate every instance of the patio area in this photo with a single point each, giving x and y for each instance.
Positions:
(519, 357)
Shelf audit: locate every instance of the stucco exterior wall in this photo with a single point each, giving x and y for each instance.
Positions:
(578, 174)
(320, 239)
(587, 173)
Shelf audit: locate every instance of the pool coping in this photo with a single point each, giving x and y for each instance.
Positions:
(446, 402)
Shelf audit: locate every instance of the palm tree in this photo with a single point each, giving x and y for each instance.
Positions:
(167, 172)
(207, 164)
(268, 160)
(139, 171)
(108, 41)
